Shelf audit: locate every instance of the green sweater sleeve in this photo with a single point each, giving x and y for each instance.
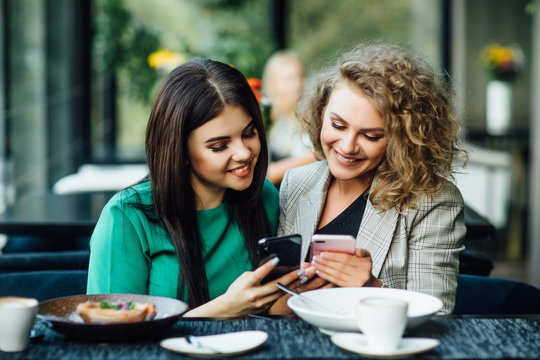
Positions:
(118, 258)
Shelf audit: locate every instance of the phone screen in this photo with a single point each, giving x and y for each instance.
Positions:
(287, 248)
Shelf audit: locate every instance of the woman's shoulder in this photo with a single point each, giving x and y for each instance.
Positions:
(314, 171)
(136, 195)
(270, 196)
(308, 180)
(448, 194)
(448, 190)
(269, 191)
(270, 200)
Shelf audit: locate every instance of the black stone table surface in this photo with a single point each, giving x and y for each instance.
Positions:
(461, 337)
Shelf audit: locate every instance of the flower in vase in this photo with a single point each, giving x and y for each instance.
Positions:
(503, 62)
(264, 102)
(255, 85)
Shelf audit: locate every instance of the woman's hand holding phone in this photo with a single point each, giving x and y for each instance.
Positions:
(246, 295)
(345, 270)
(306, 281)
(337, 260)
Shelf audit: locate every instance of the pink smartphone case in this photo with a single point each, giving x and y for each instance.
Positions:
(344, 244)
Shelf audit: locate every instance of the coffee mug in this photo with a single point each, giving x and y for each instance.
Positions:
(16, 319)
(383, 321)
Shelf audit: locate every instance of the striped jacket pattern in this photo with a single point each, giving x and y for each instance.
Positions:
(417, 249)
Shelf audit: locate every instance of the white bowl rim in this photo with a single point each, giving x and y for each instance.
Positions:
(437, 303)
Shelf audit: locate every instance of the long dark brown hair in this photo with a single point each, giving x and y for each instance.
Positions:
(191, 95)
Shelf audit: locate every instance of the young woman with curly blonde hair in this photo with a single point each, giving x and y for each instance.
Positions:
(382, 122)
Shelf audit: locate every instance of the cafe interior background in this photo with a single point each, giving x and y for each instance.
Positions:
(77, 78)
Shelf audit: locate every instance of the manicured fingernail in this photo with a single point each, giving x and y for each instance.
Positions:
(323, 255)
(304, 280)
(301, 272)
(274, 261)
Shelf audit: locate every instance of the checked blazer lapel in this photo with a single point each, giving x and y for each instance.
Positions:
(311, 186)
(376, 233)
(310, 207)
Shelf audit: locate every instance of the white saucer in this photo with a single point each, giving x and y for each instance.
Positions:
(218, 345)
(407, 346)
(332, 332)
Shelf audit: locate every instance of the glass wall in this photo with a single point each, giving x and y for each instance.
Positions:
(78, 76)
(499, 165)
(321, 30)
(238, 32)
(44, 91)
(137, 42)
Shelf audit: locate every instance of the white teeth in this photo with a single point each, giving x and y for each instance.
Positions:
(241, 169)
(345, 159)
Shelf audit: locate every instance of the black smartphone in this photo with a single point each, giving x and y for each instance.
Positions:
(287, 248)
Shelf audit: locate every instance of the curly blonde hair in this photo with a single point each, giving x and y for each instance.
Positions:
(422, 134)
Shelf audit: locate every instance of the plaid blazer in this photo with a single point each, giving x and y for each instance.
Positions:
(417, 250)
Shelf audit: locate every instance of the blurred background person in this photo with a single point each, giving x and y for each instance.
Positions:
(283, 83)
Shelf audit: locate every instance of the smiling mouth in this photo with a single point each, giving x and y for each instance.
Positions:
(344, 159)
(241, 171)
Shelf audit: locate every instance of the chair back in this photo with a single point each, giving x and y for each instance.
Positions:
(45, 284)
(488, 295)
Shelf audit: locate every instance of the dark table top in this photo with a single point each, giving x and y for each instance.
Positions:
(461, 338)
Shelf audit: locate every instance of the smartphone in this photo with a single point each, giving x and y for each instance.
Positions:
(337, 243)
(288, 248)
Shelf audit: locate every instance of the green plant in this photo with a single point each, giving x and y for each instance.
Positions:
(123, 44)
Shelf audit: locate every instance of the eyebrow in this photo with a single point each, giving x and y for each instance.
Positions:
(375, 129)
(219, 138)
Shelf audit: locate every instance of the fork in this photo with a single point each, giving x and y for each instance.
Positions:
(306, 299)
(193, 340)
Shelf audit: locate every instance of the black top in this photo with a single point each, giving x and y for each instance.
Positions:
(348, 222)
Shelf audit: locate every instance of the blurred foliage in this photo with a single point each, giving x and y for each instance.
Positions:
(122, 44)
(126, 33)
(531, 7)
(223, 4)
(237, 32)
(240, 33)
(241, 36)
(321, 30)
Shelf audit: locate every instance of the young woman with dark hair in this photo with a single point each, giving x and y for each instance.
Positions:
(190, 229)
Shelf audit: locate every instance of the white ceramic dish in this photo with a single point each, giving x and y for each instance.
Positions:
(217, 346)
(407, 346)
(342, 300)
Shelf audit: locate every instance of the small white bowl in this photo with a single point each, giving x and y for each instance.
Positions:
(342, 300)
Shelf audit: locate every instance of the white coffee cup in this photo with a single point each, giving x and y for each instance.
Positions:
(383, 321)
(17, 316)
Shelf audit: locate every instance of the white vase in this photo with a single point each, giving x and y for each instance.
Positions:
(498, 107)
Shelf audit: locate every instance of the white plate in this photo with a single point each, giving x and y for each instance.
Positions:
(217, 345)
(421, 306)
(407, 346)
